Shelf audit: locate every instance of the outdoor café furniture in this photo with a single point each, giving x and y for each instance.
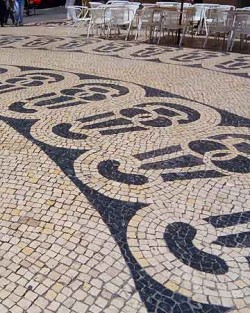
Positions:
(80, 16)
(219, 23)
(174, 20)
(122, 17)
(200, 15)
(98, 21)
(111, 17)
(241, 27)
(159, 21)
(146, 21)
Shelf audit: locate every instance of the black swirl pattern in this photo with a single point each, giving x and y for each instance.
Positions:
(117, 214)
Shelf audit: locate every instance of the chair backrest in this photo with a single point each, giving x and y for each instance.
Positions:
(121, 15)
(77, 11)
(117, 2)
(135, 3)
(242, 22)
(133, 6)
(166, 3)
(199, 11)
(211, 6)
(207, 4)
(95, 4)
(226, 7)
(221, 20)
(245, 8)
(98, 15)
(188, 15)
(146, 15)
(185, 5)
(171, 16)
(148, 5)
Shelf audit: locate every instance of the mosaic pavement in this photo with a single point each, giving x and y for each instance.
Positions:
(124, 176)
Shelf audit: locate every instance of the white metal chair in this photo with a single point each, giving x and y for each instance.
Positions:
(220, 22)
(198, 16)
(134, 7)
(207, 19)
(241, 28)
(99, 20)
(148, 21)
(80, 16)
(121, 16)
(201, 15)
(171, 22)
(187, 22)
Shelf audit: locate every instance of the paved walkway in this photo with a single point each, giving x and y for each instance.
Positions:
(124, 176)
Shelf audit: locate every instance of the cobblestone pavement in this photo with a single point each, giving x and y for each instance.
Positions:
(124, 176)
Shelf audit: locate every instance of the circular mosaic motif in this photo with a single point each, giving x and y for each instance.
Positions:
(162, 172)
(189, 255)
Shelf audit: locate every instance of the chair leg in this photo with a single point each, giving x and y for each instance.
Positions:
(79, 24)
(129, 28)
(199, 28)
(231, 43)
(207, 35)
(224, 41)
(229, 38)
(205, 42)
(138, 31)
(241, 41)
(136, 34)
(159, 32)
(72, 28)
(108, 30)
(88, 31)
(182, 36)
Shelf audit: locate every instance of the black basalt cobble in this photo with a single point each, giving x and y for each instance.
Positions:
(179, 237)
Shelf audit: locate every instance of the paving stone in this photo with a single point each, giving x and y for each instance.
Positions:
(124, 175)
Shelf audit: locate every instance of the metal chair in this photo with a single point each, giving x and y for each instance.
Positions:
(148, 21)
(98, 20)
(120, 17)
(241, 27)
(80, 15)
(219, 22)
(171, 22)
